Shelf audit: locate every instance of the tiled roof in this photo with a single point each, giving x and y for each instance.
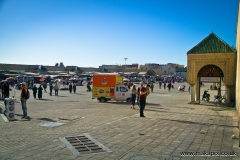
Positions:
(103, 70)
(151, 71)
(41, 68)
(211, 44)
(181, 70)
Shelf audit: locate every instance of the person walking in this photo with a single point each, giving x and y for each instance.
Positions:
(142, 99)
(45, 87)
(89, 86)
(2, 89)
(34, 91)
(160, 84)
(40, 92)
(164, 85)
(152, 86)
(23, 100)
(56, 89)
(133, 91)
(169, 86)
(70, 87)
(51, 88)
(138, 94)
(219, 89)
(5, 93)
(74, 88)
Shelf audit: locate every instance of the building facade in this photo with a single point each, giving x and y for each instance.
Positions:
(212, 57)
(238, 66)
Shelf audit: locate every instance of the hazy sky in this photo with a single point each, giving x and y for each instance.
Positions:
(89, 33)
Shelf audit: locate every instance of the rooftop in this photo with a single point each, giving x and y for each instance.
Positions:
(211, 44)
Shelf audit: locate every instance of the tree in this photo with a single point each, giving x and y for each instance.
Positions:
(61, 64)
(56, 64)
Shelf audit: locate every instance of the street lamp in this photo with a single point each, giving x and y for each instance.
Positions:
(125, 63)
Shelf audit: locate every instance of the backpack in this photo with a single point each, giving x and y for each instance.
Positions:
(27, 95)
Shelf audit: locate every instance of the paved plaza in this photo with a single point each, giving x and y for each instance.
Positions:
(172, 129)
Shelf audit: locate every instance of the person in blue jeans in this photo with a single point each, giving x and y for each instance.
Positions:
(23, 100)
(133, 97)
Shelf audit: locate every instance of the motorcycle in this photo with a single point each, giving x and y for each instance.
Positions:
(206, 96)
(181, 88)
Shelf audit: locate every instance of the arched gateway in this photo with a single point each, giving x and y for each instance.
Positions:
(207, 72)
(214, 58)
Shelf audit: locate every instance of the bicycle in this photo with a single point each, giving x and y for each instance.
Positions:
(219, 99)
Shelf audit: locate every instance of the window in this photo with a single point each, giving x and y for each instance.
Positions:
(123, 89)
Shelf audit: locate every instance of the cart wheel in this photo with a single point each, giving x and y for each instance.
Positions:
(102, 100)
(223, 100)
(207, 99)
(128, 100)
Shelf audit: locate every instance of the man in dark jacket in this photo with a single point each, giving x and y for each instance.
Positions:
(5, 94)
(51, 88)
(24, 100)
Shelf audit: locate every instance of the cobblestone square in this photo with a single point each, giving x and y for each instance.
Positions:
(171, 126)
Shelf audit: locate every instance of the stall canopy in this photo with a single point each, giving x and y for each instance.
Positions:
(42, 79)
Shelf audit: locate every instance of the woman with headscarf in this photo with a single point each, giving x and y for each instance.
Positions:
(74, 88)
(70, 88)
(40, 92)
(34, 91)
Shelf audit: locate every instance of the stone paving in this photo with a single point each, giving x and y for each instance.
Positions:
(171, 126)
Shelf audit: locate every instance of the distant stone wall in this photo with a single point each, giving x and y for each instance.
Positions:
(8, 67)
(25, 67)
(55, 68)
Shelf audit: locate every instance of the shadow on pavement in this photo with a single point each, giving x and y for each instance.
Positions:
(153, 104)
(25, 119)
(79, 93)
(62, 96)
(45, 99)
(121, 103)
(1, 110)
(46, 119)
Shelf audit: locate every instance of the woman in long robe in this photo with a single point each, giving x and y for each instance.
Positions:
(34, 91)
(40, 92)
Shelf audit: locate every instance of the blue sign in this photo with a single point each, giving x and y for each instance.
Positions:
(11, 115)
(11, 108)
(11, 102)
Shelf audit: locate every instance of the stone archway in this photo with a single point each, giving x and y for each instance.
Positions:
(212, 51)
(207, 71)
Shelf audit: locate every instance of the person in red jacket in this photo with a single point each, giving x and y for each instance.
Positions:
(144, 92)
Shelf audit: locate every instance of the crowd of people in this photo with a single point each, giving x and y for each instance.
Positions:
(36, 91)
(138, 95)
